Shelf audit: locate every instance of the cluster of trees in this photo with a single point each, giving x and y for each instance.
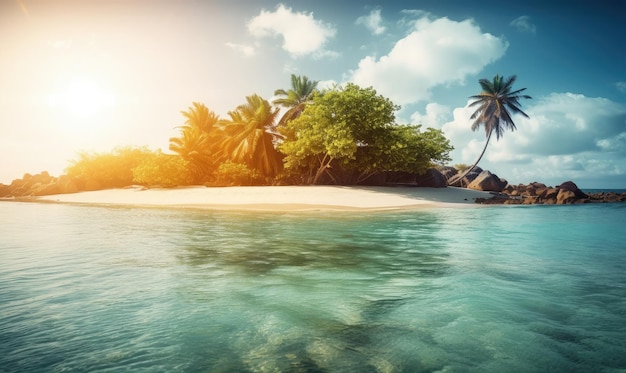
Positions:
(341, 135)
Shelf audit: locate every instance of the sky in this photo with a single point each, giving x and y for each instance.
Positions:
(91, 75)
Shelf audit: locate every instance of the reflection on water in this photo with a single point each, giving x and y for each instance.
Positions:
(171, 290)
(374, 248)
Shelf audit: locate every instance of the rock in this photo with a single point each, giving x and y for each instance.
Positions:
(605, 197)
(39, 185)
(565, 197)
(448, 172)
(548, 193)
(486, 181)
(457, 181)
(462, 182)
(570, 186)
(67, 185)
(47, 189)
(431, 178)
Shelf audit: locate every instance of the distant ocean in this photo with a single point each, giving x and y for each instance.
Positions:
(617, 191)
(485, 289)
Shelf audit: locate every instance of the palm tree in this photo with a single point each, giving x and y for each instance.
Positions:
(249, 136)
(200, 117)
(196, 143)
(295, 99)
(496, 103)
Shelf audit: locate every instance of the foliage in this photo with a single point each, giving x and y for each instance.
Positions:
(249, 136)
(351, 129)
(230, 174)
(494, 103)
(414, 150)
(331, 129)
(162, 169)
(93, 171)
(461, 166)
(198, 141)
(296, 99)
(345, 134)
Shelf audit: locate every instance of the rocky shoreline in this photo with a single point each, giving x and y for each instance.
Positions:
(534, 193)
(502, 192)
(539, 194)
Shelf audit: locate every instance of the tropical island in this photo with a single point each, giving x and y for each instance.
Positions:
(343, 136)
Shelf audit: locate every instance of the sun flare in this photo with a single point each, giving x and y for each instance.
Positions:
(81, 97)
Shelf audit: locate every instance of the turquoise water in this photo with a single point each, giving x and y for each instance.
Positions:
(486, 289)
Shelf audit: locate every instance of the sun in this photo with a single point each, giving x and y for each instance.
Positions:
(81, 96)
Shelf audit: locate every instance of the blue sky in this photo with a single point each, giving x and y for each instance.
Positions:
(92, 75)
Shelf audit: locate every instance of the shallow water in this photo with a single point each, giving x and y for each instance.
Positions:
(524, 288)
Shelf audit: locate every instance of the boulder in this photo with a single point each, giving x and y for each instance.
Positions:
(488, 182)
(448, 171)
(5, 190)
(462, 182)
(46, 190)
(565, 197)
(431, 178)
(570, 186)
(548, 193)
(39, 185)
(67, 185)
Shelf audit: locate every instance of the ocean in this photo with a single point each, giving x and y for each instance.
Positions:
(479, 289)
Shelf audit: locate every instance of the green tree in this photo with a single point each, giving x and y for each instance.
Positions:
(197, 143)
(166, 170)
(334, 127)
(249, 137)
(94, 171)
(231, 174)
(296, 98)
(414, 150)
(495, 104)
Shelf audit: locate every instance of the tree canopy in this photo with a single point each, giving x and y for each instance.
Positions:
(495, 105)
(341, 135)
(348, 133)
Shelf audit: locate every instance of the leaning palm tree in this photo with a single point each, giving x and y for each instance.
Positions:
(295, 99)
(249, 136)
(496, 103)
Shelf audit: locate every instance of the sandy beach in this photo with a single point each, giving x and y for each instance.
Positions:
(277, 198)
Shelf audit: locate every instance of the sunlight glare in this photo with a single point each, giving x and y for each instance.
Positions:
(81, 97)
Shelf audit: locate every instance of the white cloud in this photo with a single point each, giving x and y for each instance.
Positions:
(373, 22)
(436, 52)
(614, 144)
(326, 84)
(246, 50)
(621, 86)
(302, 34)
(567, 137)
(436, 115)
(522, 24)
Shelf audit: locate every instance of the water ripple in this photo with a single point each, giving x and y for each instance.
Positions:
(485, 290)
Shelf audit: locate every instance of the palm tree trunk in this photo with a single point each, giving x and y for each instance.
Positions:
(478, 160)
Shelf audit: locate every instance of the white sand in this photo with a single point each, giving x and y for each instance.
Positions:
(278, 198)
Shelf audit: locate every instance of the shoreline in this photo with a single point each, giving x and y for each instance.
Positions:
(275, 198)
